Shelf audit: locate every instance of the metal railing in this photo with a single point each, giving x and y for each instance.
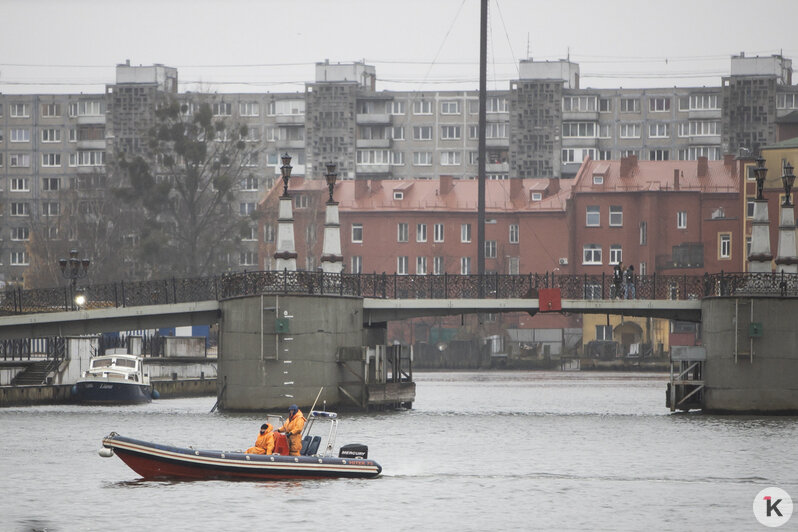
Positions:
(393, 286)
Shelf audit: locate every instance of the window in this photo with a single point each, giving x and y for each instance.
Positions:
(659, 104)
(603, 155)
(724, 245)
(73, 134)
(373, 157)
(253, 134)
(51, 208)
(249, 109)
(465, 233)
(249, 233)
(643, 269)
(397, 107)
(301, 201)
(356, 264)
(50, 110)
(681, 220)
(496, 104)
(616, 254)
(437, 266)
(514, 233)
(496, 130)
(91, 158)
(20, 233)
(658, 130)
(287, 107)
(401, 265)
(422, 107)
(421, 265)
(513, 265)
(398, 195)
(616, 215)
(605, 131)
(247, 258)
(249, 183)
(537, 196)
(694, 152)
(450, 158)
(643, 233)
(401, 232)
(749, 208)
(398, 133)
(630, 105)
(473, 132)
(421, 232)
(437, 233)
(51, 135)
(450, 132)
(19, 110)
(19, 258)
(568, 155)
(490, 249)
(20, 208)
(605, 105)
(372, 132)
(699, 128)
(51, 159)
(222, 109)
(700, 102)
(591, 254)
(659, 155)
(357, 233)
(598, 179)
(450, 107)
(579, 103)
(268, 233)
(604, 332)
(593, 216)
(20, 135)
(422, 132)
(422, 158)
(629, 131)
(245, 209)
(19, 160)
(465, 265)
(89, 108)
(579, 129)
(629, 153)
(397, 158)
(19, 184)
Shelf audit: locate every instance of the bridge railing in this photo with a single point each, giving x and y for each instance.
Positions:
(381, 285)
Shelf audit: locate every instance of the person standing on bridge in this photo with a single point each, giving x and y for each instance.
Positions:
(265, 442)
(293, 429)
(617, 280)
(629, 282)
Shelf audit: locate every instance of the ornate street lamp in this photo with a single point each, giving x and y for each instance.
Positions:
(330, 176)
(759, 174)
(787, 180)
(74, 269)
(285, 169)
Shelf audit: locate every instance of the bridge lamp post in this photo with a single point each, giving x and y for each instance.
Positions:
(332, 261)
(787, 261)
(74, 269)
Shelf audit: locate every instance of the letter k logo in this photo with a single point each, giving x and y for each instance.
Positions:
(772, 506)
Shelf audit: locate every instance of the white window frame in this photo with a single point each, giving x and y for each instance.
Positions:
(591, 255)
(438, 265)
(490, 249)
(450, 132)
(658, 130)
(421, 232)
(593, 216)
(51, 135)
(19, 134)
(630, 130)
(616, 254)
(397, 107)
(421, 265)
(450, 107)
(422, 158)
(724, 245)
(19, 110)
(356, 264)
(437, 233)
(248, 109)
(402, 232)
(616, 216)
(514, 234)
(681, 220)
(422, 132)
(659, 104)
(357, 233)
(465, 233)
(401, 265)
(422, 107)
(465, 265)
(451, 158)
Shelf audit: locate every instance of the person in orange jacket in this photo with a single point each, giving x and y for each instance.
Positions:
(293, 429)
(265, 442)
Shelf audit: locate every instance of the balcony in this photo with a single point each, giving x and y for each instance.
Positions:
(497, 167)
(704, 114)
(290, 144)
(704, 140)
(374, 118)
(296, 170)
(91, 144)
(91, 119)
(288, 120)
(373, 143)
(372, 169)
(497, 143)
(580, 142)
(580, 116)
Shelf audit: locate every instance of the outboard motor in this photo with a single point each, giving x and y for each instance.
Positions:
(354, 450)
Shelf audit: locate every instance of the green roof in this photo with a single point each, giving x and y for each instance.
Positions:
(789, 143)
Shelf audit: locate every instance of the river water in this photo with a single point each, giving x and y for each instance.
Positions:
(478, 451)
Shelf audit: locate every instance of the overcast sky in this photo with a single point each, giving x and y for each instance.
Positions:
(272, 45)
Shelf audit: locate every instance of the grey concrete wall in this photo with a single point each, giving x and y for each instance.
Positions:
(766, 382)
(184, 368)
(261, 369)
(184, 346)
(184, 388)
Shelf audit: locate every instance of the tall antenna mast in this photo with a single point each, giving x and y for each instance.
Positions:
(483, 74)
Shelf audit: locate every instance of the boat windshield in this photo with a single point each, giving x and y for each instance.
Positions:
(124, 362)
(101, 363)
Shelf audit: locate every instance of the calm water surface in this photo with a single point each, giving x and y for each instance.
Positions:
(479, 451)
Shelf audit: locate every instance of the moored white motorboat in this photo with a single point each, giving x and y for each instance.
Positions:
(114, 378)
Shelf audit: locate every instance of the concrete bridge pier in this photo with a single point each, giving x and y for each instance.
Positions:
(275, 350)
(751, 354)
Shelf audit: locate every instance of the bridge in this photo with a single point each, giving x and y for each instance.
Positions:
(386, 297)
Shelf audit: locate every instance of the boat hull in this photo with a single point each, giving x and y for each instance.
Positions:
(98, 392)
(152, 461)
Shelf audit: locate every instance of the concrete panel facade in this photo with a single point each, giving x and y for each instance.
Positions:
(261, 368)
(764, 381)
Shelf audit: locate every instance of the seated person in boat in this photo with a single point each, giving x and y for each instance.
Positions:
(293, 429)
(265, 442)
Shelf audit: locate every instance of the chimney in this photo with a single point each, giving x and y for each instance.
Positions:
(552, 187)
(676, 172)
(516, 188)
(445, 184)
(703, 167)
(728, 160)
(628, 164)
(361, 188)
